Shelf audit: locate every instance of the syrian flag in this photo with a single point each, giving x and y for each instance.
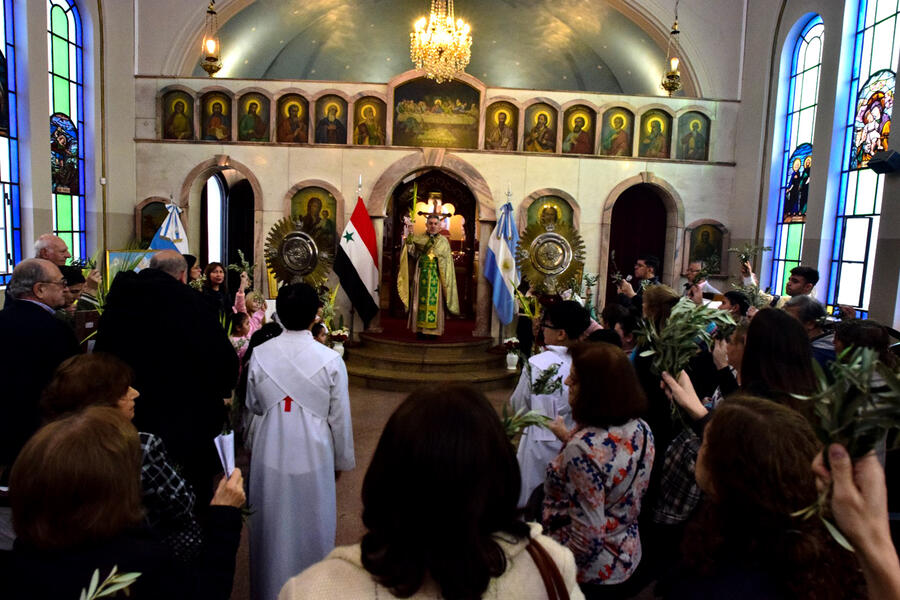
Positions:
(356, 263)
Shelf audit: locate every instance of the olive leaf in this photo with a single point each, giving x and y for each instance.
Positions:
(548, 381)
(748, 252)
(856, 408)
(513, 424)
(114, 583)
(688, 326)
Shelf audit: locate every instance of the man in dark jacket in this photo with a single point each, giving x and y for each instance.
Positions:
(34, 343)
(183, 362)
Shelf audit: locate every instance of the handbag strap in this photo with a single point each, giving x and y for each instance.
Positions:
(553, 581)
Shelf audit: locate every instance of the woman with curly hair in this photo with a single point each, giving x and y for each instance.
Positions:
(744, 543)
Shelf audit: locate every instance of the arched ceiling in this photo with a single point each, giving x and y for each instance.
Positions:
(583, 45)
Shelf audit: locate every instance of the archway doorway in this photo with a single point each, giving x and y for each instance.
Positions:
(637, 226)
(460, 229)
(226, 221)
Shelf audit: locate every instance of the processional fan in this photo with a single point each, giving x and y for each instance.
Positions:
(550, 254)
(294, 255)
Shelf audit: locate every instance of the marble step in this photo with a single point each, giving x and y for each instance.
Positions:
(431, 350)
(405, 381)
(422, 359)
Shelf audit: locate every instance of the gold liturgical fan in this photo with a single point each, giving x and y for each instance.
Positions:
(550, 255)
(297, 256)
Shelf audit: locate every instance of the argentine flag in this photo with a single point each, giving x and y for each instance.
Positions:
(500, 265)
(171, 234)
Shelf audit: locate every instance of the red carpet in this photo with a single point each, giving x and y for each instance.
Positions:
(455, 330)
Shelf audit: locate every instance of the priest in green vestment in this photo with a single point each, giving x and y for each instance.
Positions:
(434, 280)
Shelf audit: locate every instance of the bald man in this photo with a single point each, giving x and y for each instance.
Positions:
(184, 364)
(53, 248)
(34, 344)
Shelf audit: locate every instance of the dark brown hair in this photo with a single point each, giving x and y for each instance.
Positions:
(866, 334)
(777, 359)
(757, 456)
(443, 480)
(85, 380)
(77, 480)
(609, 392)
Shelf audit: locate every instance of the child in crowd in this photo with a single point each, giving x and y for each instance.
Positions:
(253, 305)
(240, 333)
(320, 333)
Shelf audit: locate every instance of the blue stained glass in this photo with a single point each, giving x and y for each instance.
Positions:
(13, 124)
(867, 126)
(796, 156)
(14, 161)
(10, 72)
(77, 19)
(76, 115)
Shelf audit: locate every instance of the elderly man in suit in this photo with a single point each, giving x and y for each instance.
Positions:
(34, 344)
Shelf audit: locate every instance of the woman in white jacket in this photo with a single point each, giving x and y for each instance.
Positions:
(439, 503)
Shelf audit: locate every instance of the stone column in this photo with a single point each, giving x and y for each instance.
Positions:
(483, 307)
(383, 294)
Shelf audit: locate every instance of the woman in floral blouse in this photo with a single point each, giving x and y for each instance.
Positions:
(594, 487)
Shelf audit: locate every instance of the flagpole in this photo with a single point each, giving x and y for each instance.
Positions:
(352, 311)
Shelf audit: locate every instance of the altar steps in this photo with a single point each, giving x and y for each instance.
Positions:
(388, 364)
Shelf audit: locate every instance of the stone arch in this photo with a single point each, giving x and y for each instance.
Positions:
(338, 196)
(432, 158)
(438, 158)
(196, 179)
(674, 227)
(522, 213)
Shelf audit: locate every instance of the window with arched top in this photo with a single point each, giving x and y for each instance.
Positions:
(870, 96)
(794, 158)
(10, 214)
(67, 173)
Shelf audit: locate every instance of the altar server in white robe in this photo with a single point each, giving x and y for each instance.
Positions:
(541, 389)
(297, 392)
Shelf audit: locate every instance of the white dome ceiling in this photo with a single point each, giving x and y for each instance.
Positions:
(584, 45)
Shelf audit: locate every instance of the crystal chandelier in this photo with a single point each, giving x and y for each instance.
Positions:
(671, 81)
(439, 44)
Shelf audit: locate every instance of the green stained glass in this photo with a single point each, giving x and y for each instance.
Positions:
(794, 240)
(786, 274)
(60, 49)
(59, 22)
(63, 211)
(61, 95)
(68, 238)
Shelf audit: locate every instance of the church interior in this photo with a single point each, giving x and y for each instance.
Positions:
(693, 131)
(127, 64)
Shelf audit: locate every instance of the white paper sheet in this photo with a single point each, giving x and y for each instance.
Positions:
(225, 447)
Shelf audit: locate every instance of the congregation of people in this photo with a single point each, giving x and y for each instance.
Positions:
(634, 484)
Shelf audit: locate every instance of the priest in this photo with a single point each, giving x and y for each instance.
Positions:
(434, 280)
(301, 438)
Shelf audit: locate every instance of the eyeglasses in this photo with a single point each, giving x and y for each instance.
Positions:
(549, 326)
(61, 282)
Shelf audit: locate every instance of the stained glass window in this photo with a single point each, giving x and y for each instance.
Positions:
(796, 152)
(64, 45)
(10, 215)
(866, 131)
